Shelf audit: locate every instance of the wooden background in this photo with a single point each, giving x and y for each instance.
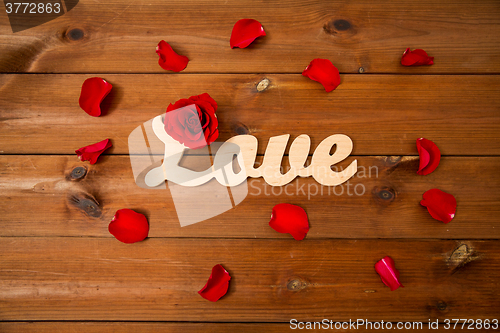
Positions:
(62, 271)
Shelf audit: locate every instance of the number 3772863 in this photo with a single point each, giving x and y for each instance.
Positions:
(32, 8)
(470, 324)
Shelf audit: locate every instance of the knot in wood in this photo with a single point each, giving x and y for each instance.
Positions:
(339, 26)
(461, 256)
(85, 203)
(296, 285)
(75, 34)
(384, 194)
(441, 305)
(241, 129)
(263, 84)
(78, 173)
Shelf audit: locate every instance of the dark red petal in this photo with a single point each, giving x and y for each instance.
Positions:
(244, 32)
(94, 90)
(291, 219)
(417, 57)
(92, 152)
(388, 273)
(205, 97)
(212, 130)
(213, 136)
(128, 226)
(179, 104)
(205, 107)
(441, 205)
(429, 155)
(169, 60)
(324, 72)
(424, 58)
(217, 284)
(408, 58)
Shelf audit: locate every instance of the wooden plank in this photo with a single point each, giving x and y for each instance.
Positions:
(120, 36)
(272, 280)
(383, 114)
(379, 206)
(127, 327)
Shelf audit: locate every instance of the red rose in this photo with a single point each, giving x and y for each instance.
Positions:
(192, 121)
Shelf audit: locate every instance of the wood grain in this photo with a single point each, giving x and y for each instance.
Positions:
(119, 36)
(127, 327)
(67, 202)
(62, 269)
(382, 114)
(272, 280)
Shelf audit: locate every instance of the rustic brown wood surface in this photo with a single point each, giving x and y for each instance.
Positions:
(97, 327)
(369, 206)
(120, 36)
(383, 114)
(62, 271)
(72, 278)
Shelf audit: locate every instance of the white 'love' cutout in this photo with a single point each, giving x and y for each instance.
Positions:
(244, 147)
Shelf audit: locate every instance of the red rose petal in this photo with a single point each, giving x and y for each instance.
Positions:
(417, 57)
(92, 152)
(324, 72)
(441, 205)
(244, 32)
(291, 219)
(128, 226)
(169, 60)
(206, 98)
(429, 155)
(388, 273)
(217, 284)
(94, 90)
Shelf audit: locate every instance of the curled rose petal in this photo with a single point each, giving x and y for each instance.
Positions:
(169, 59)
(441, 205)
(128, 226)
(388, 273)
(429, 155)
(217, 284)
(92, 152)
(244, 32)
(417, 57)
(324, 72)
(94, 90)
(291, 219)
